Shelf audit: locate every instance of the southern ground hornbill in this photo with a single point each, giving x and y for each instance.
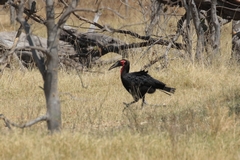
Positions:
(139, 83)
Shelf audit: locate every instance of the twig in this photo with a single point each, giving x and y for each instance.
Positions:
(92, 10)
(33, 16)
(150, 46)
(83, 86)
(32, 122)
(153, 62)
(170, 46)
(70, 9)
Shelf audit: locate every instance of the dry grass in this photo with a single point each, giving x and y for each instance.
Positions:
(200, 121)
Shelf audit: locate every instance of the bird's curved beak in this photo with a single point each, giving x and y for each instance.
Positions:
(117, 64)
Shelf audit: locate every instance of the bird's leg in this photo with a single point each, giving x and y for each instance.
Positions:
(128, 104)
(143, 101)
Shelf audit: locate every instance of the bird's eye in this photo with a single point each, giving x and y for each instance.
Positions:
(122, 62)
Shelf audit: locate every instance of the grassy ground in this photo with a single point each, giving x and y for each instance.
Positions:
(200, 121)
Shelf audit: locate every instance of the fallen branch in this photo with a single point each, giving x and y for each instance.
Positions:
(8, 123)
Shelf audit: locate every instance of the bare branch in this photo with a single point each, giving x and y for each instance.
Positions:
(88, 21)
(148, 43)
(153, 62)
(170, 46)
(110, 29)
(29, 12)
(129, 33)
(70, 9)
(82, 83)
(32, 122)
(38, 60)
(62, 1)
(8, 123)
(19, 32)
(115, 12)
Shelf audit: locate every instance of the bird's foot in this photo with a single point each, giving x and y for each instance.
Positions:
(144, 103)
(126, 106)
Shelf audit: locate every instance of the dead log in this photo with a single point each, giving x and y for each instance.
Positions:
(77, 50)
(91, 46)
(24, 54)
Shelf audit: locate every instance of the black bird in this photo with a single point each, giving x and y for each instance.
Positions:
(139, 83)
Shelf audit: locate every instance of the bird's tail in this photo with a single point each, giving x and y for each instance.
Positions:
(169, 89)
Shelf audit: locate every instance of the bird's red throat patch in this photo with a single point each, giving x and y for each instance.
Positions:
(122, 63)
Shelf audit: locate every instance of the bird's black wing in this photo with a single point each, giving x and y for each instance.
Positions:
(141, 82)
(142, 78)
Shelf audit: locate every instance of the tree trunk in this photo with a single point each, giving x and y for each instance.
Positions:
(236, 40)
(215, 28)
(199, 31)
(51, 74)
(12, 15)
(156, 9)
(187, 36)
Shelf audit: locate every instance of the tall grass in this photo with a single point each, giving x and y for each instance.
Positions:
(200, 121)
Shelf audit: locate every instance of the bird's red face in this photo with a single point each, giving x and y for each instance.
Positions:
(118, 64)
(123, 62)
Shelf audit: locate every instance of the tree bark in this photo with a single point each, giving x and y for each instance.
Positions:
(51, 64)
(215, 28)
(12, 15)
(156, 9)
(187, 36)
(49, 68)
(235, 41)
(51, 73)
(199, 31)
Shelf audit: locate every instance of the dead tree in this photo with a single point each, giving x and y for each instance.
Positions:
(199, 30)
(217, 11)
(48, 67)
(236, 41)
(215, 28)
(156, 11)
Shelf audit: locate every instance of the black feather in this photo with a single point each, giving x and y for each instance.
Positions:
(140, 83)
